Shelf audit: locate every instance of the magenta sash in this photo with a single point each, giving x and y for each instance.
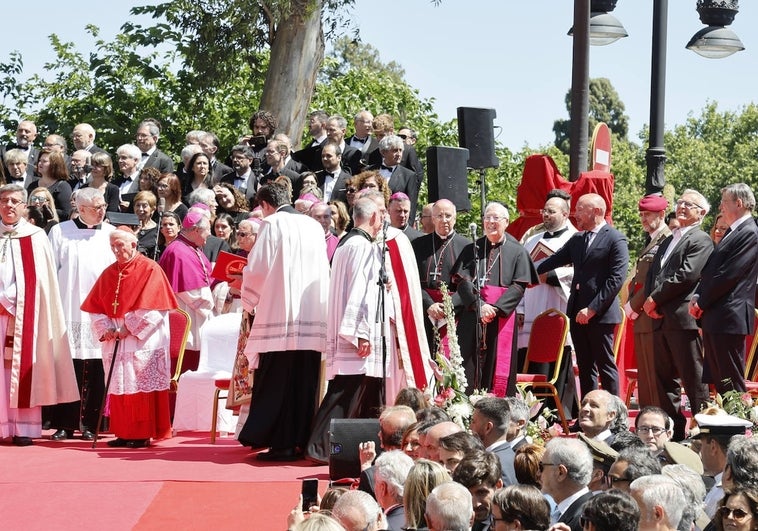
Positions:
(504, 351)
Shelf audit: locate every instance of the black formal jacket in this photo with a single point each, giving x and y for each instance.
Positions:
(572, 515)
(671, 285)
(598, 275)
(158, 159)
(728, 281)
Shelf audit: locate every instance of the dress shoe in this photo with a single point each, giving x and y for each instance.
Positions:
(138, 443)
(281, 454)
(22, 441)
(118, 443)
(88, 435)
(61, 434)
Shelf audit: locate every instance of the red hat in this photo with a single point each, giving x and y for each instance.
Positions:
(653, 203)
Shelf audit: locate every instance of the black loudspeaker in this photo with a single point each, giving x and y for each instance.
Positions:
(477, 133)
(448, 176)
(344, 437)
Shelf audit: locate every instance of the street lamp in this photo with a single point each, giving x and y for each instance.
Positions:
(592, 25)
(716, 41)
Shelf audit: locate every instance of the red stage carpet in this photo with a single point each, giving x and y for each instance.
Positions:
(181, 483)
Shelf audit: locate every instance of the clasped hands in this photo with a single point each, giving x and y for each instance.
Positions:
(114, 333)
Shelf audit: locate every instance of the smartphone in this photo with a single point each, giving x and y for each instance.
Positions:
(309, 491)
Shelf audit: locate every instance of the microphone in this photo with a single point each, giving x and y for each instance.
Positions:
(472, 230)
(162, 205)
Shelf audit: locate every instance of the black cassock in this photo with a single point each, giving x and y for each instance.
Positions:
(505, 265)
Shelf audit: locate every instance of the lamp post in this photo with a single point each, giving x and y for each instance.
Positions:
(655, 156)
(592, 25)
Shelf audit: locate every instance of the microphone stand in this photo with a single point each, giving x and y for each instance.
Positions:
(380, 313)
(161, 209)
(479, 328)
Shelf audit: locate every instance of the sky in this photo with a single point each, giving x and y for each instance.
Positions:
(514, 57)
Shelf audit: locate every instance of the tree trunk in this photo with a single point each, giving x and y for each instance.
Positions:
(296, 55)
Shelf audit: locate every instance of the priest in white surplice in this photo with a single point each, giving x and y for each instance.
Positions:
(82, 250)
(554, 290)
(354, 334)
(286, 284)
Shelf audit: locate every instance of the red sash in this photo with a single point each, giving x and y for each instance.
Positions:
(406, 312)
(490, 295)
(28, 339)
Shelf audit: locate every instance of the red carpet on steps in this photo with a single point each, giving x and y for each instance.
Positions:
(182, 483)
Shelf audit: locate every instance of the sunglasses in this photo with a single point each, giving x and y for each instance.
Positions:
(736, 514)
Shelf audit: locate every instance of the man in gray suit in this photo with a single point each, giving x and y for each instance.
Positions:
(671, 282)
(147, 135)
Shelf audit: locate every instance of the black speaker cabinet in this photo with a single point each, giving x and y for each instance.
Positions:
(344, 437)
(477, 133)
(448, 176)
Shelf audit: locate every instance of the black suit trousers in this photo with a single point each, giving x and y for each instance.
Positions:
(593, 344)
(678, 362)
(728, 363)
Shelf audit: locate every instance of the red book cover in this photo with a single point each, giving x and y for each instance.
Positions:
(228, 264)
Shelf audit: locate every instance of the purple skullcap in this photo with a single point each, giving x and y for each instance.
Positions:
(193, 217)
(399, 196)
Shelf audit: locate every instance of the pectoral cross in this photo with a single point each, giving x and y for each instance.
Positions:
(434, 274)
(115, 305)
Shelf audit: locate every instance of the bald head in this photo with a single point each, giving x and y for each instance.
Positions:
(433, 436)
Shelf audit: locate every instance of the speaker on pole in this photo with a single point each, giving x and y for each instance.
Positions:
(447, 175)
(476, 132)
(344, 437)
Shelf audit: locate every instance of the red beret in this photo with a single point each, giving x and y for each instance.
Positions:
(653, 203)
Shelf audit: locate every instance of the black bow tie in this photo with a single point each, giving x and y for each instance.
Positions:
(364, 140)
(384, 167)
(22, 148)
(145, 155)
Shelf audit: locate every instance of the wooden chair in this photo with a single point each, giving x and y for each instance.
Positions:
(751, 361)
(179, 324)
(546, 342)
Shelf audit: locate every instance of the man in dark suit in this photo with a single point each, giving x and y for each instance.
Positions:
(566, 470)
(241, 176)
(390, 472)
(210, 145)
(490, 422)
(677, 356)
(399, 211)
(480, 473)
(310, 155)
(400, 178)
(332, 179)
(83, 137)
(147, 135)
(336, 127)
(600, 257)
(289, 162)
(26, 132)
(384, 125)
(516, 435)
(363, 125)
(725, 299)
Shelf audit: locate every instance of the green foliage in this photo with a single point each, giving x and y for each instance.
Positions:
(605, 106)
(351, 54)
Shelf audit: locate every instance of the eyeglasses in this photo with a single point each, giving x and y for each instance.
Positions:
(12, 201)
(655, 430)
(735, 514)
(543, 465)
(97, 207)
(687, 204)
(351, 190)
(493, 218)
(241, 234)
(404, 137)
